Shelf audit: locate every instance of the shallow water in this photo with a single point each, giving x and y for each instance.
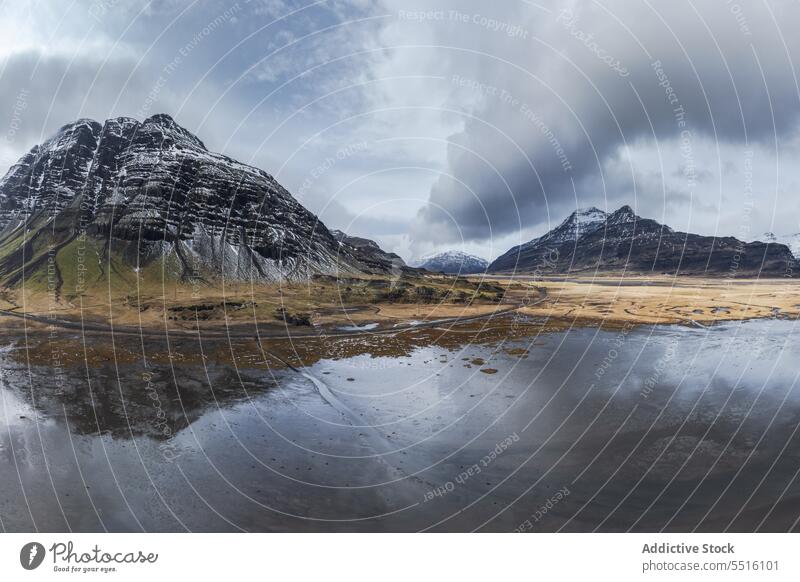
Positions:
(365, 327)
(654, 428)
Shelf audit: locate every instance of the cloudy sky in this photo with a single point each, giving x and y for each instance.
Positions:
(437, 124)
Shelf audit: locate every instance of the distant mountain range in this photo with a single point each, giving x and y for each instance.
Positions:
(122, 202)
(453, 262)
(592, 240)
(148, 198)
(790, 240)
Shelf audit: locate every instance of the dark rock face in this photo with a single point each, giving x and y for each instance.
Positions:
(152, 190)
(627, 242)
(369, 249)
(454, 262)
(49, 176)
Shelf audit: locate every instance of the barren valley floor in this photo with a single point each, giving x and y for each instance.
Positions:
(353, 308)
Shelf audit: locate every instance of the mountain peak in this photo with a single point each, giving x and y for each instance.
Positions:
(150, 191)
(78, 123)
(622, 215)
(161, 118)
(168, 127)
(581, 221)
(624, 210)
(587, 211)
(85, 131)
(586, 216)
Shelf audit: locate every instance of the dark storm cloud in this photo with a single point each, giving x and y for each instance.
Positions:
(591, 79)
(58, 89)
(483, 120)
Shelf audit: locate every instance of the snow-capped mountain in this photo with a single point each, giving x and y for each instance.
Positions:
(141, 191)
(368, 247)
(790, 240)
(453, 262)
(575, 226)
(622, 241)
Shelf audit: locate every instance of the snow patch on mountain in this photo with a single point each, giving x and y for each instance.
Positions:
(580, 222)
(152, 188)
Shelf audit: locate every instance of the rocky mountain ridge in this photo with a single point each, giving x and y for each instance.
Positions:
(453, 262)
(790, 240)
(149, 193)
(593, 241)
(369, 248)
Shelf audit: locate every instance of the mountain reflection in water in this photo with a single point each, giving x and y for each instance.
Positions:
(646, 429)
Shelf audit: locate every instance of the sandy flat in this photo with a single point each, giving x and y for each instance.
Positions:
(666, 299)
(592, 300)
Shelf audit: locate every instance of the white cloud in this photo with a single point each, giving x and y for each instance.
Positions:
(469, 110)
